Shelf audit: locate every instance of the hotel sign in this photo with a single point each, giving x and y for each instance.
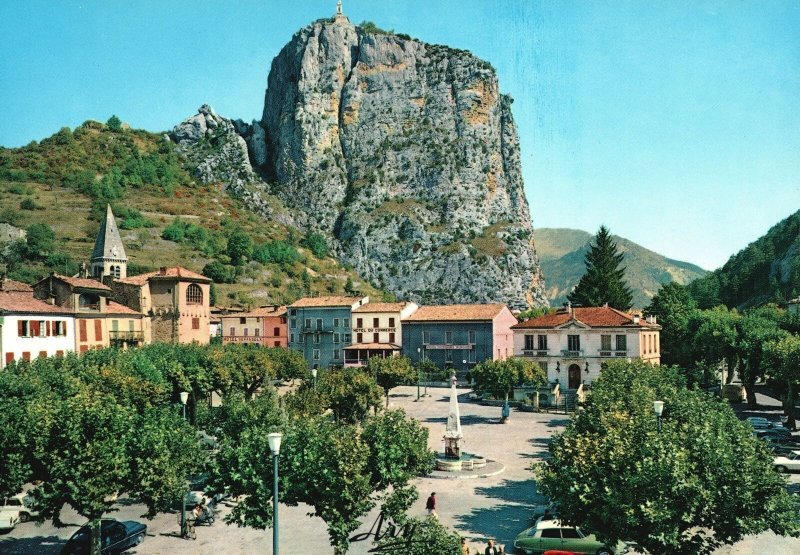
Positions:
(448, 347)
(373, 330)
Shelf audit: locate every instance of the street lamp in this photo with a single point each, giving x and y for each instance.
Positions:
(184, 399)
(658, 408)
(313, 375)
(419, 372)
(274, 440)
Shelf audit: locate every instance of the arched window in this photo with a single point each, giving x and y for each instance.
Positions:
(115, 271)
(194, 295)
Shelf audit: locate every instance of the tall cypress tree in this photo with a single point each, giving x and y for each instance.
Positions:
(603, 281)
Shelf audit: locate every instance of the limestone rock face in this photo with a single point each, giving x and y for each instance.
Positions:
(408, 154)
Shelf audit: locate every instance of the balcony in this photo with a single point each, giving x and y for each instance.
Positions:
(620, 353)
(126, 336)
(605, 353)
(534, 353)
(566, 353)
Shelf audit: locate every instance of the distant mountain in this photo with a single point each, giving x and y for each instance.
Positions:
(561, 255)
(767, 270)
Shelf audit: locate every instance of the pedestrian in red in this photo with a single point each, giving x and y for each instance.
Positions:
(431, 505)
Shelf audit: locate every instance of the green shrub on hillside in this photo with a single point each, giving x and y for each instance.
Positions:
(277, 252)
(317, 244)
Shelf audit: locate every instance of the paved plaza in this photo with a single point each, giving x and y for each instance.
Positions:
(495, 507)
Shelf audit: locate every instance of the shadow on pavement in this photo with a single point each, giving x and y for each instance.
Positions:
(40, 545)
(558, 423)
(501, 522)
(518, 491)
(466, 419)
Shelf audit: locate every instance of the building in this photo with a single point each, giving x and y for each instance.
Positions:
(459, 336)
(108, 255)
(176, 300)
(29, 327)
(377, 331)
(572, 344)
(319, 327)
(86, 299)
(266, 326)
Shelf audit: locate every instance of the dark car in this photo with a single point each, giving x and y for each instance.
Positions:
(774, 433)
(116, 536)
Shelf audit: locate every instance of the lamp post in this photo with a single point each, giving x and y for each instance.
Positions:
(314, 375)
(184, 399)
(658, 409)
(274, 440)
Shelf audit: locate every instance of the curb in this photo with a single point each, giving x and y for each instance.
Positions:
(463, 476)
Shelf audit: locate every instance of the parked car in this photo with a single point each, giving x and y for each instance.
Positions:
(548, 535)
(115, 536)
(761, 423)
(774, 433)
(783, 440)
(787, 462)
(22, 503)
(9, 515)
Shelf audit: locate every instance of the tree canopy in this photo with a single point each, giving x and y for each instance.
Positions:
(603, 281)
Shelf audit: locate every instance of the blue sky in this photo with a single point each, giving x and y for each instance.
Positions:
(675, 123)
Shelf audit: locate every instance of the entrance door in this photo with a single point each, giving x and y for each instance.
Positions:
(574, 376)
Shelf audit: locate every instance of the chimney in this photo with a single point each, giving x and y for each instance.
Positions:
(162, 270)
(569, 308)
(635, 318)
(2, 282)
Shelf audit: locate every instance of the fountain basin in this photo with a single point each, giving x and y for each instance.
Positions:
(467, 461)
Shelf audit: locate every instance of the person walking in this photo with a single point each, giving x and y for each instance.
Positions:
(464, 547)
(430, 505)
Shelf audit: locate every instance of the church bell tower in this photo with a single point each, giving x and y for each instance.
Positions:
(108, 256)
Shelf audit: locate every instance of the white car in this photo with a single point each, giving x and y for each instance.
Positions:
(787, 462)
(9, 516)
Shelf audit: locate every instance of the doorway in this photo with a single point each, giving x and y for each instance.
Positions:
(574, 376)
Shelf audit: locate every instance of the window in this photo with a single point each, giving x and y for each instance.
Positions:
(36, 328)
(574, 342)
(233, 331)
(98, 330)
(194, 295)
(277, 343)
(293, 311)
(23, 328)
(359, 323)
(88, 301)
(316, 354)
(242, 320)
(276, 332)
(570, 533)
(529, 342)
(337, 337)
(448, 338)
(9, 358)
(376, 322)
(83, 334)
(59, 353)
(543, 366)
(114, 325)
(551, 533)
(391, 337)
(359, 337)
(26, 356)
(448, 355)
(605, 342)
(391, 322)
(336, 354)
(346, 323)
(307, 324)
(335, 322)
(376, 338)
(317, 338)
(43, 354)
(346, 338)
(426, 337)
(246, 332)
(542, 342)
(319, 324)
(294, 325)
(130, 325)
(116, 270)
(471, 337)
(622, 342)
(302, 338)
(471, 355)
(291, 337)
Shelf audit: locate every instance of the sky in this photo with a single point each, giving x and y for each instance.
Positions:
(674, 123)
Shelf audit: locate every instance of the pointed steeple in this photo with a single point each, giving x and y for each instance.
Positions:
(108, 256)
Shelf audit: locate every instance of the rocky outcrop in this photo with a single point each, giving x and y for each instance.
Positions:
(408, 154)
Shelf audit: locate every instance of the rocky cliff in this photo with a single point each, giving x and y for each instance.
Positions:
(407, 154)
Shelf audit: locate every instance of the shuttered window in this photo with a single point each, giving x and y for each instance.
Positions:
(98, 330)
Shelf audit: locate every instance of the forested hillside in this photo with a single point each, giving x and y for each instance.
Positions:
(57, 191)
(767, 270)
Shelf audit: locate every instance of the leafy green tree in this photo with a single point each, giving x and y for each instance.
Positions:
(240, 246)
(277, 252)
(603, 281)
(218, 272)
(114, 124)
(40, 240)
(673, 306)
(499, 377)
(391, 372)
(755, 330)
(782, 358)
(714, 338)
(350, 393)
(398, 449)
(316, 243)
(425, 536)
(679, 490)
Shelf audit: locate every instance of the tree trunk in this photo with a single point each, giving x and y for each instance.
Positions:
(387, 398)
(96, 544)
(790, 394)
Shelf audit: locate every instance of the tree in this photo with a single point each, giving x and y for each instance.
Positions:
(40, 240)
(114, 124)
(350, 393)
(673, 306)
(316, 243)
(218, 272)
(676, 490)
(240, 246)
(391, 372)
(782, 358)
(499, 377)
(755, 330)
(713, 338)
(424, 536)
(603, 280)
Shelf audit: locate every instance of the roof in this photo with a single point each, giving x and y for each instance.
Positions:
(456, 313)
(260, 312)
(82, 283)
(381, 307)
(593, 316)
(332, 301)
(16, 301)
(174, 273)
(13, 285)
(116, 308)
(108, 243)
(373, 346)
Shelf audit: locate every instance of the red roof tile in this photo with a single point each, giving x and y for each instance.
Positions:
(374, 346)
(456, 313)
(260, 312)
(25, 303)
(593, 316)
(331, 301)
(174, 273)
(116, 308)
(381, 307)
(13, 285)
(83, 283)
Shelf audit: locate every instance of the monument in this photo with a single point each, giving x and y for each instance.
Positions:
(454, 460)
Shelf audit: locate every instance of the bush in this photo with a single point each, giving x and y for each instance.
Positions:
(277, 252)
(114, 124)
(317, 244)
(219, 272)
(28, 204)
